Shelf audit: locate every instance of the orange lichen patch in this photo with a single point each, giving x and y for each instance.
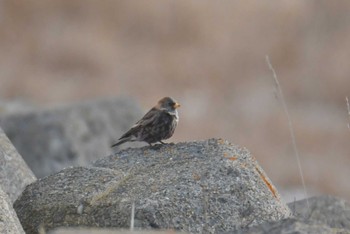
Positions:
(233, 158)
(268, 184)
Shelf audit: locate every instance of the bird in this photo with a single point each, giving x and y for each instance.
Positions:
(156, 125)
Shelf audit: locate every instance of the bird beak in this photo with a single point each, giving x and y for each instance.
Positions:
(176, 105)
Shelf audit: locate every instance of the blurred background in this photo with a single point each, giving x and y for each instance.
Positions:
(210, 56)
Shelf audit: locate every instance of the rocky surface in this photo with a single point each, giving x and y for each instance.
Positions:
(9, 223)
(8, 107)
(332, 211)
(107, 231)
(198, 187)
(52, 139)
(292, 225)
(321, 214)
(14, 172)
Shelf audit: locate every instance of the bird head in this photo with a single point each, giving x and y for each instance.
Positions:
(168, 104)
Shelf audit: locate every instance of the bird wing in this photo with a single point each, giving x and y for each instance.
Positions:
(148, 118)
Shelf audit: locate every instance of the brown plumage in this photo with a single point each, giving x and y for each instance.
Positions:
(156, 125)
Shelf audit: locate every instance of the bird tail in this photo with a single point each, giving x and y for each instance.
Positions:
(121, 141)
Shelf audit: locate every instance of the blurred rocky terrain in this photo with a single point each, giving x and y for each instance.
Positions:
(210, 56)
(51, 139)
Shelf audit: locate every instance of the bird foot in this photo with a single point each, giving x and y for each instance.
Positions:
(156, 147)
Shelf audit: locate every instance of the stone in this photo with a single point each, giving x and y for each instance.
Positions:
(105, 231)
(15, 106)
(9, 223)
(14, 172)
(320, 214)
(332, 211)
(291, 225)
(206, 186)
(75, 135)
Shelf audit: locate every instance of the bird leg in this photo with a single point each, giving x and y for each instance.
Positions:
(163, 143)
(156, 146)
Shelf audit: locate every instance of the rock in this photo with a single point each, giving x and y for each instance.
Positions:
(198, 187)
(52, 139)
(105, 231)
(326, 215)
(291, 225)
(9, 222)
(332, 211)
(14, 172)
(15, 106)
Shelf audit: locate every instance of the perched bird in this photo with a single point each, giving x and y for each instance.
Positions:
(156, 125)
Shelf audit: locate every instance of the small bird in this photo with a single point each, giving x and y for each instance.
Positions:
(156, 125)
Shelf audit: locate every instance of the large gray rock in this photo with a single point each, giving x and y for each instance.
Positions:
(8, 107)
(106, 231)
(332, 211)
(292, 225)
(200, 187)
(52, 139)
(14, 172)
(9, 223)
(323, 214)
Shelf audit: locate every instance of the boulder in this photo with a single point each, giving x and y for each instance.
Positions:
(291, 225)
(332, 211)
(9, 223)
(14, 172)
(105, 231)
(321, 214)
(206, 186)
(52, 139)
(8, 107)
